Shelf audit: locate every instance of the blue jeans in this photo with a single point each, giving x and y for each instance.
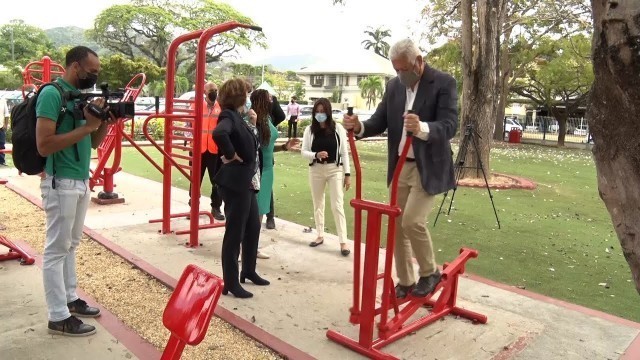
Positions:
(65, 207)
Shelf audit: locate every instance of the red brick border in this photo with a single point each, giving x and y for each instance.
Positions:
(141, 348)
(276, 344)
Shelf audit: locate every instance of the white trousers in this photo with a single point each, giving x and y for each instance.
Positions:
(321, 175)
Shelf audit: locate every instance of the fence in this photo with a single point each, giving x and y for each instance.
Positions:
(546, 128)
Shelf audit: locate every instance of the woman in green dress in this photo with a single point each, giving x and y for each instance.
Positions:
(267, 134)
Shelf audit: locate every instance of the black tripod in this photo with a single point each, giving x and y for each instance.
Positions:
(459, 169)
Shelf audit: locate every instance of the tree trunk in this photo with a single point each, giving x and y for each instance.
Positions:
(561, 116)
(466, 12)
(503, 81)
(613, 119)
(480, 102)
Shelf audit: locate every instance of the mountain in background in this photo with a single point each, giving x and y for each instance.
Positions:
(72, 36)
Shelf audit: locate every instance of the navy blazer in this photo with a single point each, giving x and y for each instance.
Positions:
(233, 136)
(436, 103)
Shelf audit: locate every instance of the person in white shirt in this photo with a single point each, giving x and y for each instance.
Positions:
(433, 99)
(4, 113)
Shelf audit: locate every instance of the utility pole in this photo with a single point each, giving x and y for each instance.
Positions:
(13, 55)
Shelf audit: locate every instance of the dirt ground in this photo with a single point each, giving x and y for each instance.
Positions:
(133, 296)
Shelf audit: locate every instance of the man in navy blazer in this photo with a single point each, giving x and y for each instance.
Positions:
(432, 96)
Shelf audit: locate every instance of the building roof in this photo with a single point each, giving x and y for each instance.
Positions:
(358, 61)
(266, 86)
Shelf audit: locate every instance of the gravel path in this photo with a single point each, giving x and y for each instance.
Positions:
(134, 297)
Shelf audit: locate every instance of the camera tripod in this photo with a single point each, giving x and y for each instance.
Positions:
(459, 167)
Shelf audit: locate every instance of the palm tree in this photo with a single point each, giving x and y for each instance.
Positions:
(371, 89)
(377, 41)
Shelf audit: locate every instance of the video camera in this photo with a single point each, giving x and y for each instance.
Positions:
(114, 101)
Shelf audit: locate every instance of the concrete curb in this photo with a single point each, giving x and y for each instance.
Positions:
(253, 331)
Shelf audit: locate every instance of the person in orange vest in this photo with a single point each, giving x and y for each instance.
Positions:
(210, 161)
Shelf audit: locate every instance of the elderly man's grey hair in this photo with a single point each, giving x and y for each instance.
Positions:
(404, 48)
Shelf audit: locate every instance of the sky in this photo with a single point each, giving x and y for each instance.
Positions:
(292, 27)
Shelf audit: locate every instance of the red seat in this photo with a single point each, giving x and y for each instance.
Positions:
(190, 309)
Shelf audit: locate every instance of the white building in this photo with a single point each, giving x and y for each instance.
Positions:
(343, 72)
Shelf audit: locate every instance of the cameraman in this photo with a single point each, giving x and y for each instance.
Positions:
(65, 186)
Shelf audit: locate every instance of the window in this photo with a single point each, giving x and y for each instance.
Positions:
(346, 80)
(317, 80)
(360, 78)
(332, 81)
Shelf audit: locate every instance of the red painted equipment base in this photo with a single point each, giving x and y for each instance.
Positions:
(15, 252)
(107, 201)
(190, 309)
(3, 181)
(395, 328)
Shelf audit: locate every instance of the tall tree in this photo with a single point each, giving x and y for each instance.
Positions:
(371, 89)
(480, 50)
(21, 43)
(523, 24)
(147, 27)
(559, 79)
(377, 41)
(613, 119)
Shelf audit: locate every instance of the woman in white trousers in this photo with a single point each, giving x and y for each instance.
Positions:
(325, 145)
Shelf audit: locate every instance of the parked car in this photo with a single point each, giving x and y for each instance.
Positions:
(511, 123)
(581, 130)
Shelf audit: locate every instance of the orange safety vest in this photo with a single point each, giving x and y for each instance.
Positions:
(209, 122)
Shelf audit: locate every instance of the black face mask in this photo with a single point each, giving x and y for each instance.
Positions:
(88, 82)
(212, 96)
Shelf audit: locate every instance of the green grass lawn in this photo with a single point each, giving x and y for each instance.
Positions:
(556, 240)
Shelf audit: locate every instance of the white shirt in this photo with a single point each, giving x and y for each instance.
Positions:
(423, 134)
(4, 111)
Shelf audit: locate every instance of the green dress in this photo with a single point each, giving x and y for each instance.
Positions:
(266, 181)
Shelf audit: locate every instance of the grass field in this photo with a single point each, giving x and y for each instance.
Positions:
(556, 240)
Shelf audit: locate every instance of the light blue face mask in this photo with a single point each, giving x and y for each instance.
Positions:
(321, 117)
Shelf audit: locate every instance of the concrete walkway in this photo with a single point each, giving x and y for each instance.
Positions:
(311, 291)
(23, 328)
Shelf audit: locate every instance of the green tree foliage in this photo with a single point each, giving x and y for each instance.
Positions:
(29, 43)
(377, 41)
(118, 70)
(560, 78)
(147, 27)
(371, 89)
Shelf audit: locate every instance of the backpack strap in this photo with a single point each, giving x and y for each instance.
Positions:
(64, 98)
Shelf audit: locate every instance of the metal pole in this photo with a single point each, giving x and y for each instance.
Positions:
(13, 55)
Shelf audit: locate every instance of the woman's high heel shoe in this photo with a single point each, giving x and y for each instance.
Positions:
(255, 278)
(238, 292)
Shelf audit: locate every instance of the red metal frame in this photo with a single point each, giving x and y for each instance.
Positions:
(364, 311)
(189, 310)
(15, 252)
(40, 72)
(103, 175)
(195, 118)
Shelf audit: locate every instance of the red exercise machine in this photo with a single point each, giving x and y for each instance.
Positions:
(102, 175)
(189, 310)
(364, 311)
(37, 73)
(15, 252)
(177, 146)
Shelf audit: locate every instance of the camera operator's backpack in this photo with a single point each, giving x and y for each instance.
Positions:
(23, 124)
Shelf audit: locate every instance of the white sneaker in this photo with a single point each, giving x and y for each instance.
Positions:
(262, 255)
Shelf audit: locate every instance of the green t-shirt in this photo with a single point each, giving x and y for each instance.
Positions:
(67, 165)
